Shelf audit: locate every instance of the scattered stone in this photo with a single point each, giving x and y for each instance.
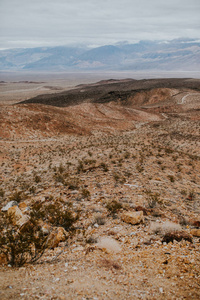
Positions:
(16, 216)
(57, 235)
(195, 232)
(133, 217)
(161, 290)
(45, 229)
(8, 205)
(23, 207)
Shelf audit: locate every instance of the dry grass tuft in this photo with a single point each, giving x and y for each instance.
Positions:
(164, 228)
(109, 244)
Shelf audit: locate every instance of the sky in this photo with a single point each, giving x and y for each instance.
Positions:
(38, 23)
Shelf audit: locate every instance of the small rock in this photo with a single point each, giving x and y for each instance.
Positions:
(23, 207)
(16, 216)
(8, 205)
(195, 232)
(57, 235)
(45, 229)
(57, 279)
(133, 217)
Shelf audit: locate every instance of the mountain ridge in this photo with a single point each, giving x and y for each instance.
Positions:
(179, 54)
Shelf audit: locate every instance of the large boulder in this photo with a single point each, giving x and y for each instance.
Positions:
(133, 217)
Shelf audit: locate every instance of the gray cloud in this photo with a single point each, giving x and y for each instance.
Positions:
(27, 23)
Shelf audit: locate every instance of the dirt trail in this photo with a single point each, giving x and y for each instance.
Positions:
(183, 100)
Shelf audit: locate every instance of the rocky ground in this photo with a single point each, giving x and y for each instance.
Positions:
(150, 165)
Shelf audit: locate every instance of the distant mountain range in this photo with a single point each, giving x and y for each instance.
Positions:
(175, 55)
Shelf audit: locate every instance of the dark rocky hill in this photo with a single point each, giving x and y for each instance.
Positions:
(112, 90)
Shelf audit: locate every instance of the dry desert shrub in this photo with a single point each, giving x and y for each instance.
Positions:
(104, 167)
(177, 236)
(113, 206)
(99, 219)
(109, 244)
(17, 196)
(153, 198)
(21, 245)
(2, 192)
(27, 243)
(85, 193)
(191, 195)
(164, 228)
(57, 213)
(109, 264)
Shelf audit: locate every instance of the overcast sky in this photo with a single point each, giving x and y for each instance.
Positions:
(31, 23)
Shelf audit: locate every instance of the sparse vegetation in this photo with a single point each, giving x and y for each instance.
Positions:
(82, 183)
(17, 196)
(171, 178)
(85, 193)
(153, 198)
(2, 192)
(113, 206)
(24, 245)
(28, 243)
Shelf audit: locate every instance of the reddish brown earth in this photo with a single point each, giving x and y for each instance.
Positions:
(106, 106)
(138, 143)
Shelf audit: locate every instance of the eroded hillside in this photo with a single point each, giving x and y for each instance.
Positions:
(108, 106)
